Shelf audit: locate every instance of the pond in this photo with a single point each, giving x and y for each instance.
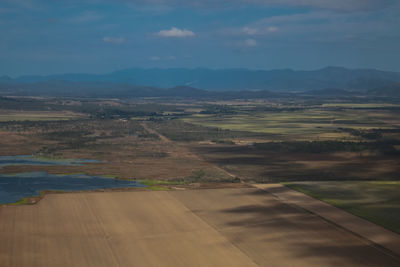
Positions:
(16, 186)
(13, 187)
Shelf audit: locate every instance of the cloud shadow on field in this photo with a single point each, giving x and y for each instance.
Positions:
(272, 225)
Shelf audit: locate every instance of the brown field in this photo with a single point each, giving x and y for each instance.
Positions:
(259, 165)
(208, 227)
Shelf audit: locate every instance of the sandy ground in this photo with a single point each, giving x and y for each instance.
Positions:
(208, 227)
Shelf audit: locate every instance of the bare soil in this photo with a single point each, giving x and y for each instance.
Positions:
(205, 227)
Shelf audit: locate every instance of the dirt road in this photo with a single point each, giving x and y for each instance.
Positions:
(187, 152)
(209, 227)
(151, 131)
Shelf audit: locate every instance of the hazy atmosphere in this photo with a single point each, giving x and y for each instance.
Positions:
(200, 133)
(97, 36)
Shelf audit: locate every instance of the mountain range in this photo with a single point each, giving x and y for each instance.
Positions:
(151, 82)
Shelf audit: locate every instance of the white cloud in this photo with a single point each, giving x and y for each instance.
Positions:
(175, 32)
(249, 31)
(272, 29)
(328, 26)
(114, 40)
(249, 43)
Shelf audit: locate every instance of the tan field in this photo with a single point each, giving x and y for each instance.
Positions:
(205, 227)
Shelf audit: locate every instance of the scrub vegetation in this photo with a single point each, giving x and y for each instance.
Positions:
(209, 140)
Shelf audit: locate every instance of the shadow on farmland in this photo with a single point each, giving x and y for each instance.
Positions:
(274, 229)
(263, 165)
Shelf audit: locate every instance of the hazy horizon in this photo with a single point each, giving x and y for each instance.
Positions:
(188, 68)
(99, 36)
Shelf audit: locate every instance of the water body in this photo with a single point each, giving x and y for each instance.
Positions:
(16, 186)
(31, 160)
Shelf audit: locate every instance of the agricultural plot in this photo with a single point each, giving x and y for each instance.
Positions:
(303, 161)
(37, 116)
(208, 227)
(191, 141)
(193, 145)
(301, 124)
(376, 201)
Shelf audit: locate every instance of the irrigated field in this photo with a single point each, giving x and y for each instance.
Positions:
(209, 227)
(301, 123)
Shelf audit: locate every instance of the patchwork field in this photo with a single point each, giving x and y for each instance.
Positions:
(301, 123)
(189, 145)
(202, 141)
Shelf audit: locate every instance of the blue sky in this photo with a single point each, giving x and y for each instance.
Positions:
(97, 36)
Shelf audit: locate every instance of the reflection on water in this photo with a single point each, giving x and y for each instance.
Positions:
(14, 187)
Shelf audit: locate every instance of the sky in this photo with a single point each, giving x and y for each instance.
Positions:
(99, 36)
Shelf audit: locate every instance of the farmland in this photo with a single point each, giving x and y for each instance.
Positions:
(37, 116)
(253, 140)
(200, 133)
(301, 123)
(223, 227)
(376, 201)
(199, 159)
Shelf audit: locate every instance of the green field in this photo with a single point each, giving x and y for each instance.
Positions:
(376, 201)
(361, 105)
(36, 116)
(308, 123)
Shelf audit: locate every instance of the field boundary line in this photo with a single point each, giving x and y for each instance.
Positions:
(214, 228)
(376, 234)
